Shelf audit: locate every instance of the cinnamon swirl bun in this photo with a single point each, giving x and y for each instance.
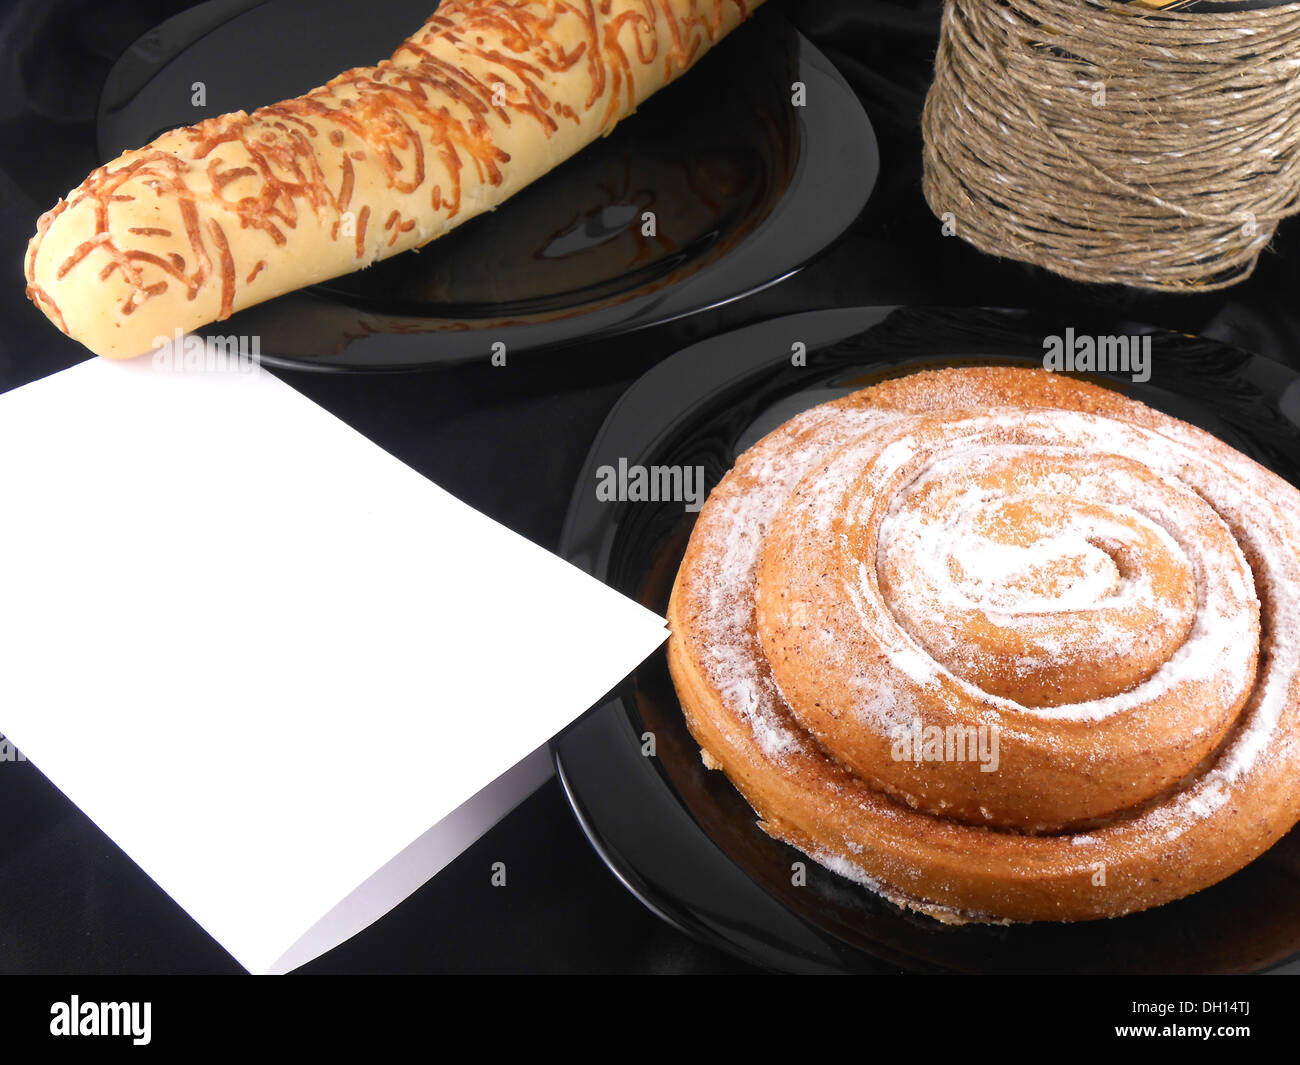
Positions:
(1001, 645)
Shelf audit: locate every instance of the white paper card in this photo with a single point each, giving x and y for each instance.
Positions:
(267, 658)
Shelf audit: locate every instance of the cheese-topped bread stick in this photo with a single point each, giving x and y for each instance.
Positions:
(485, 98)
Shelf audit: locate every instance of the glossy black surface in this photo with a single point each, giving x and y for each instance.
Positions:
(510, 442)
(744, 188)
(685, 841)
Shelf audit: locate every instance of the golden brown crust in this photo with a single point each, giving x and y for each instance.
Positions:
(485, 98)
(882, 561)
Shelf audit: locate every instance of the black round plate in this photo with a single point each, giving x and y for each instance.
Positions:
(745, 187)
(685, 842)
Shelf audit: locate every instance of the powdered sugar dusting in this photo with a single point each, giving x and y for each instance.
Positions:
(733, 659)
(1122, 533)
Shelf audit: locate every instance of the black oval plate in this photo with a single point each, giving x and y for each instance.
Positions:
(745, 188)
(685, 842)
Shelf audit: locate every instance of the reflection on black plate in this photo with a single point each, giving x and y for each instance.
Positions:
(744, 188)
(685, 841)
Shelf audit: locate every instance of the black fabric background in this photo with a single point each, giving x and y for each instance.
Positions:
(509, 444)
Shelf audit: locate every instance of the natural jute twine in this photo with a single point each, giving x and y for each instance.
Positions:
(1111, 143)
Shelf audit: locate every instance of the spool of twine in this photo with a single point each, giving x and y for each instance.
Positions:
(1112, 143)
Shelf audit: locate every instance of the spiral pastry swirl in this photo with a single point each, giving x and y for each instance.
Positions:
(1001, 645)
